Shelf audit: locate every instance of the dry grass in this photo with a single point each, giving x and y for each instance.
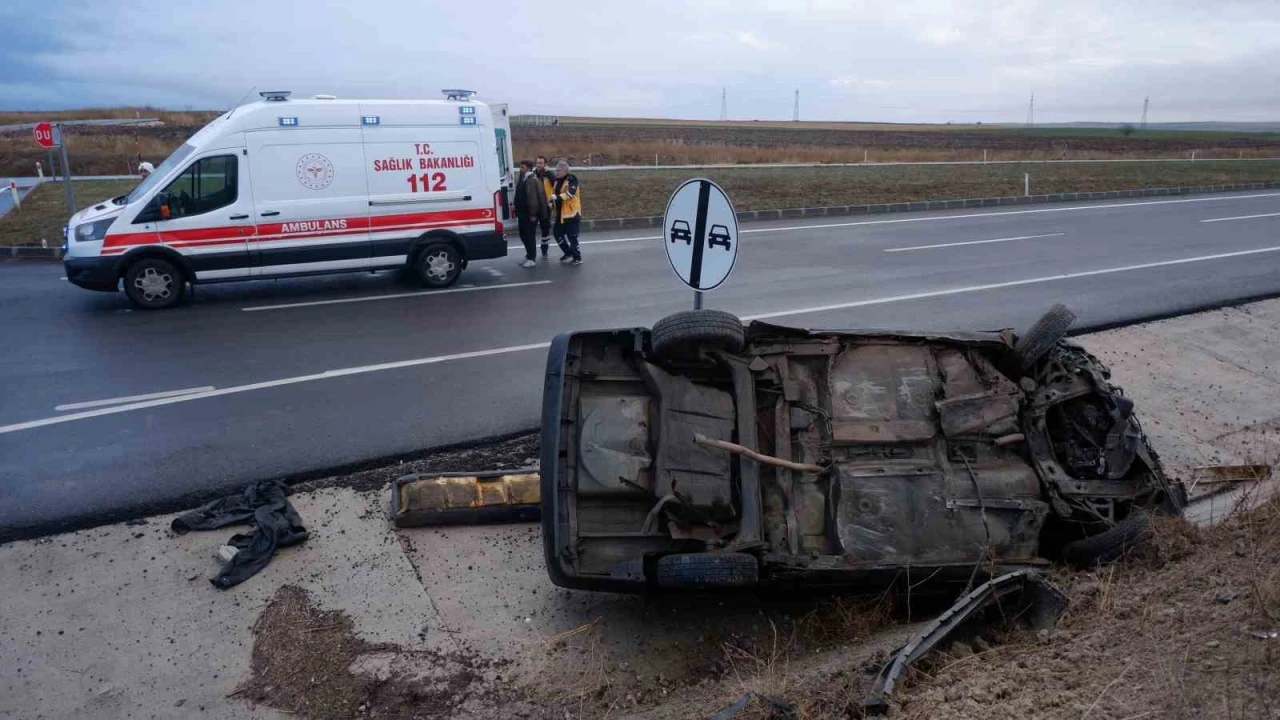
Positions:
(1168, 634)
(674, 152)
(184, 118)
(44, 210)
(569, 120)
(613, 194)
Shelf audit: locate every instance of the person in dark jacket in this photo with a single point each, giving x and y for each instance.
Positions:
(566, 212)
(531, 204)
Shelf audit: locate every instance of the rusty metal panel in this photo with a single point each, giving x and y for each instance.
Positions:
(978, 399)
(905, 517)
(883, 393)
(460, 498)
(613, 449)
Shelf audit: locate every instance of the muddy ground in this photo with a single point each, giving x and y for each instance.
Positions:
(1186, 628)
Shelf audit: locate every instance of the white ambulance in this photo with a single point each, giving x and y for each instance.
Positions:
(285, 187)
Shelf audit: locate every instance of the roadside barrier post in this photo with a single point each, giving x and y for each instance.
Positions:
(13, 189)
(1026, 184)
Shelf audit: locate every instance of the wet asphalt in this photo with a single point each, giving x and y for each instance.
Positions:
(304, 376)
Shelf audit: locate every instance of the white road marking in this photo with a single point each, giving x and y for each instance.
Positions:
(494, 272)
(465, 288)
(972, 242)
(1010, 283)
(43, 422)
(341, 372)
(1241, 217)
(132, 398)
(937, 218)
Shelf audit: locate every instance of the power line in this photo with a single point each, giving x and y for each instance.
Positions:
(1146, 102)
(1031, 111)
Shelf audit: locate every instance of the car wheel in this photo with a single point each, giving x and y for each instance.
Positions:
(154, 284)
(1110, 544)
(685, 333)
(707, 571)
(439, 265)
(1036, 341)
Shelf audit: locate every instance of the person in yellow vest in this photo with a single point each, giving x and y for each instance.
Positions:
(545, 174)
(566, 212)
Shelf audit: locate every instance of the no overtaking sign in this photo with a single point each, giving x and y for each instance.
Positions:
(700, 231)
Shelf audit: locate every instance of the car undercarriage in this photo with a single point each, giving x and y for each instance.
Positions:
(704, 455)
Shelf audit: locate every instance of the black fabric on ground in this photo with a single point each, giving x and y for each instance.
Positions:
(266, 505)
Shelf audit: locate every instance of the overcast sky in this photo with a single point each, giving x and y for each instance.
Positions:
(929, 61)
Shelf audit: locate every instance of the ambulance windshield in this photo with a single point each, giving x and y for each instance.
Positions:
(177, 158)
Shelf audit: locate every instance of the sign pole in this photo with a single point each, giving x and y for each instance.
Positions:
(66, 168)
(700, 232)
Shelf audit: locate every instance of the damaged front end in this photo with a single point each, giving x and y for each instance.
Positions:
(699, 455)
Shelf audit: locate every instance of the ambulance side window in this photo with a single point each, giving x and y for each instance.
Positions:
(208, 184)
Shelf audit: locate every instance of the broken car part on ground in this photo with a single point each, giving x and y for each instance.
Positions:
(702, 455)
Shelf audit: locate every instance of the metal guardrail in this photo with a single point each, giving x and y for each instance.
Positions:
(108, 122)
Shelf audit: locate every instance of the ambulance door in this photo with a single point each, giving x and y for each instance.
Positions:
(206, 213)
(423, 177)
(310, 198)
(506, 160)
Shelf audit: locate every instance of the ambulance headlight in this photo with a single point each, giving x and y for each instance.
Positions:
(94, 231)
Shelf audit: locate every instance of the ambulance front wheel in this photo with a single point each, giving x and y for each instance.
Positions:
(154, 284)
(439, 265)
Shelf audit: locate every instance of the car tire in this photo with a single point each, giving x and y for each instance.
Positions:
(1039, 338)
(707, 571)
(154, 283)
(1110, 544)
(685, 333)
(438, 265)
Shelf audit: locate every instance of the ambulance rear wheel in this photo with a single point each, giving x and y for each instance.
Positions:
(154, 284)
(439, 265)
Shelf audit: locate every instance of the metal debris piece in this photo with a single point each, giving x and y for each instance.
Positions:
(1028, 590)
(466, 498)
(777, 708)
(1228, 475)
(1266, 634)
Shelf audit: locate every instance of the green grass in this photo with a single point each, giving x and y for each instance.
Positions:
(645, 193)
(44, 210)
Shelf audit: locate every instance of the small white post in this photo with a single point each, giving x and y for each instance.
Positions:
(1241, 155)
(17, 202)
(40, 171)
(864, 155)
(655, 159)
(1026, 184)
(1193, 156)
(984, 157)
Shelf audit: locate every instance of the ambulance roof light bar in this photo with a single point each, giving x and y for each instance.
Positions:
(275, 95)
(460, 95)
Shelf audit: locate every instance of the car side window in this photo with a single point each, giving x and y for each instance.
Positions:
(207, 184)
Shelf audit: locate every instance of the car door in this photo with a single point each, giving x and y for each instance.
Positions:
(206, 213)
(311, 199)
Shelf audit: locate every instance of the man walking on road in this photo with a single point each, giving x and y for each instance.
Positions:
(531, 204)
(566, 212)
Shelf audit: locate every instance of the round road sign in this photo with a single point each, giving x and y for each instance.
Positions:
(44, 135)
(700, 231)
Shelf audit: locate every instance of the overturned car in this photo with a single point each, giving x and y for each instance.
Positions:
(702, 454)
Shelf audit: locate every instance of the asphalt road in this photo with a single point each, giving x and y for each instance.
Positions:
(304, 375)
